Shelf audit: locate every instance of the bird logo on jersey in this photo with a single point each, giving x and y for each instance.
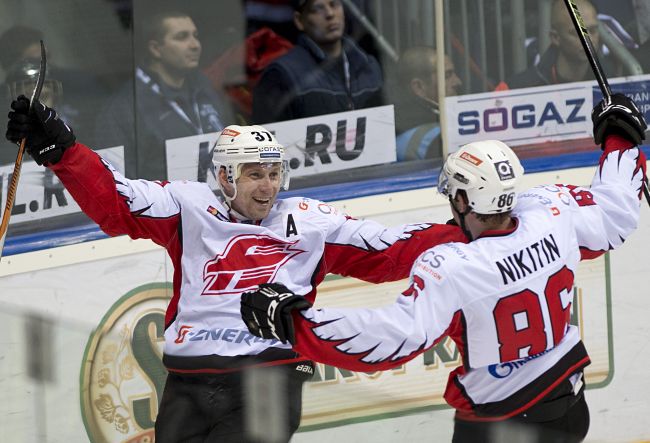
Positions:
(247, 262)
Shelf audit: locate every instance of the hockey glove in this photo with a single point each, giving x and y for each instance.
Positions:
(267, 311)
(619, 117)
(47, 135)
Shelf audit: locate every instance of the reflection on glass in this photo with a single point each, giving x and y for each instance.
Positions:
(172, 97)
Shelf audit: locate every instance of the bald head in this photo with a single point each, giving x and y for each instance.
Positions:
(417, 72)
(417, 61)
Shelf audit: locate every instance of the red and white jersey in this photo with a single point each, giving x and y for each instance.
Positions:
(216, 258)
(505, 298)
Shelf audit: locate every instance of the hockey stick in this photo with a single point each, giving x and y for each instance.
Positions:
(13, 184)
(597, 69)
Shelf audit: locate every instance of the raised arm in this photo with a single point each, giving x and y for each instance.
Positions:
(138, 208)
(608, 212)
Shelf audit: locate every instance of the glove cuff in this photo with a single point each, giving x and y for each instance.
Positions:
(617, 142)
(49, 155)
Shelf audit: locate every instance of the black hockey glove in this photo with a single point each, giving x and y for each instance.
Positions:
(619, 117)
(47, 135)
(267, 311)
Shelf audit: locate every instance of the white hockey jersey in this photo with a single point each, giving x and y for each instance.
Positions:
(216, 258)
(505, 298)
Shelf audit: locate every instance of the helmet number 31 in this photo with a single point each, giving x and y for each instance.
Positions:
(261, 136)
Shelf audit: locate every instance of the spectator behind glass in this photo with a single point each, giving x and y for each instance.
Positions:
(416, 103)
(565, 60)
(20, 57)
(21, 79)
(325, 72)
(172, 98)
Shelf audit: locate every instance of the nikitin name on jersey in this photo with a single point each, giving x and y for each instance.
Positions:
(528, 260)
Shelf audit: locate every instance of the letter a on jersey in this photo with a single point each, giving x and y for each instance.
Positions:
(291, 226)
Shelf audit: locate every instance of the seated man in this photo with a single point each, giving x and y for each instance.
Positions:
(565, 60)
(416, 103)
(172, 98)
(324, 73)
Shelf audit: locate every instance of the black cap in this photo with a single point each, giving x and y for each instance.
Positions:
(298, 4)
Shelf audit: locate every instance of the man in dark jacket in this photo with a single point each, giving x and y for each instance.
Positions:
(324, 73)
(564, 61)
(172, 98)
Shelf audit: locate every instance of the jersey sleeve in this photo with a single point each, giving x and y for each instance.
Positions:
(385, 337)
(369, 251)
(608, 212)
(138, 208)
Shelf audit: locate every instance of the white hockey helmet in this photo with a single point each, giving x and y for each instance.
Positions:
(488, 171)
(238, 145)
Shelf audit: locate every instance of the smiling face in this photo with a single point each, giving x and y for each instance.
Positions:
(257, 188)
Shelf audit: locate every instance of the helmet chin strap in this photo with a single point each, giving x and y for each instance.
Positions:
(231, 209)
(461, 216)
(222, 187)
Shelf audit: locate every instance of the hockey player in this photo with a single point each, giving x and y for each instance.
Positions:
(504, 298)
(220, 248)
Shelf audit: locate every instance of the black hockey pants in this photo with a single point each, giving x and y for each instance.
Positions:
(210, 408)
(561, 417)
